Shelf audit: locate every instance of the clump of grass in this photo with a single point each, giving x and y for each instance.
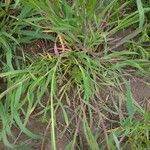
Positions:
(84, 25)
(132, 130)
(13, 31)
(57, 77)
(81, 64)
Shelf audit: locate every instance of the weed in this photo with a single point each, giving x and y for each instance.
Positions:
(132, 130)
(84, 25)
(69, 79)
(13, 31)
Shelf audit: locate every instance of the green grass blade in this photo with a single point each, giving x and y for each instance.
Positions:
(24, 129)
(129, 102)
(90, 137)
(141, 13)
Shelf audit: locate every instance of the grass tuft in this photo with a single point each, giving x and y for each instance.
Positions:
(90, 54)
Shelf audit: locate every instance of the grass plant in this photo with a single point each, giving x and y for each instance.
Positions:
(91, 51)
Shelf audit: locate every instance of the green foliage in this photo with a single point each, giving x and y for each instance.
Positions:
(88, 55)
(79, 22)
(13, 30)
(133, 134)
